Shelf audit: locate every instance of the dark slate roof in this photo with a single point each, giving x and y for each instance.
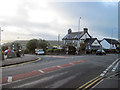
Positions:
(74, 36)
(111, 41)
(90, 41)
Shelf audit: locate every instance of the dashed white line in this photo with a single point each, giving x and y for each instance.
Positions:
(115, 67)
(104, 72)
(59, 66)
(71, 63)
(9, 79)
(41, 71)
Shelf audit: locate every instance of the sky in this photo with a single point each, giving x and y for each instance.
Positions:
(28, 19)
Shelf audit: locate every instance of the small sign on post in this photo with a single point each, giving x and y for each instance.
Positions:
(23, 47)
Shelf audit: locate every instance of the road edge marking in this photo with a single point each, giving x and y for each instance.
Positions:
(87, 82)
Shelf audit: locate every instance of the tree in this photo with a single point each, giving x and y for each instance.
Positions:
(39, 44)
(71, 48)
(42, 44)
(32, 45)
(82, 46)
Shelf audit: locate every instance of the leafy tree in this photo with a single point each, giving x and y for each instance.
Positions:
(82, 46)
(32, 45)
(39, 44)
(71, 48)
(42, 44)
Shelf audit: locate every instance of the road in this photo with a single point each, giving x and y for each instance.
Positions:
(57, 71)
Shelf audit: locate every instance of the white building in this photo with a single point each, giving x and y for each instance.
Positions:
(109, 43)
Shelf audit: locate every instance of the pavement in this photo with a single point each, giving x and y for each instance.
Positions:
(22, 59)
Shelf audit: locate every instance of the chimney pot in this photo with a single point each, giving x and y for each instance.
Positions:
(69, 31)
(85, 30)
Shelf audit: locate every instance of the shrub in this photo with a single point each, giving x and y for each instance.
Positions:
(56, 50)
(49, 50)
(26, 51)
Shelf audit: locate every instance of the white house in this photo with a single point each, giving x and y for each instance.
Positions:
(76, 37)
(92, 43)
(109, 43)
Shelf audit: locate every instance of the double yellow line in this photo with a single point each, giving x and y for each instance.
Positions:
(90, 83)
(21, 63)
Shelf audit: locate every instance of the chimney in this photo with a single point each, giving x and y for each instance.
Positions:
(85, 30)
(69, 31)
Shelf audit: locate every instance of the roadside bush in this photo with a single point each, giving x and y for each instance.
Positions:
(110, 51)
(26, 51)
(62, 50)
(49, 50)
(56, 50)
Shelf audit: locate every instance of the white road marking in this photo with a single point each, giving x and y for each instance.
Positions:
(115, 67)
(9, 79)
(41, 71)
(59, 66)
(104, 72)
(71, 63)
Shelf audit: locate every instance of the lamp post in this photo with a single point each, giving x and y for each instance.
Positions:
(78, 42)
(79, 24)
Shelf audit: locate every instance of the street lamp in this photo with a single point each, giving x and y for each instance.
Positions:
(78, 42)
(79, 24)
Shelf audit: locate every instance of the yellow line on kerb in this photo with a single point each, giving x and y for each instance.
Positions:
(21, 63)
(88, 82)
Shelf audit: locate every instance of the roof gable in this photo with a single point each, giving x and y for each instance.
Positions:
(90, 41)
(75, 35)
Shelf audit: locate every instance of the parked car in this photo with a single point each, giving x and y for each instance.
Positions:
(39, 52)
(100, 52)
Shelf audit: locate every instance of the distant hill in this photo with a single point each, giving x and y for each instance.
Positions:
(54, 42)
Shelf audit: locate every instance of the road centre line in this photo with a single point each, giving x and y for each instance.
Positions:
(41, 71)
(59, 66)
(9, 79)
(71, 63)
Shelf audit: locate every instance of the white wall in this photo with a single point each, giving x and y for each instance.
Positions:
(95, 43)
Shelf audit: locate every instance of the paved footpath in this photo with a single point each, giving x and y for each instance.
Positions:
(21, 59)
